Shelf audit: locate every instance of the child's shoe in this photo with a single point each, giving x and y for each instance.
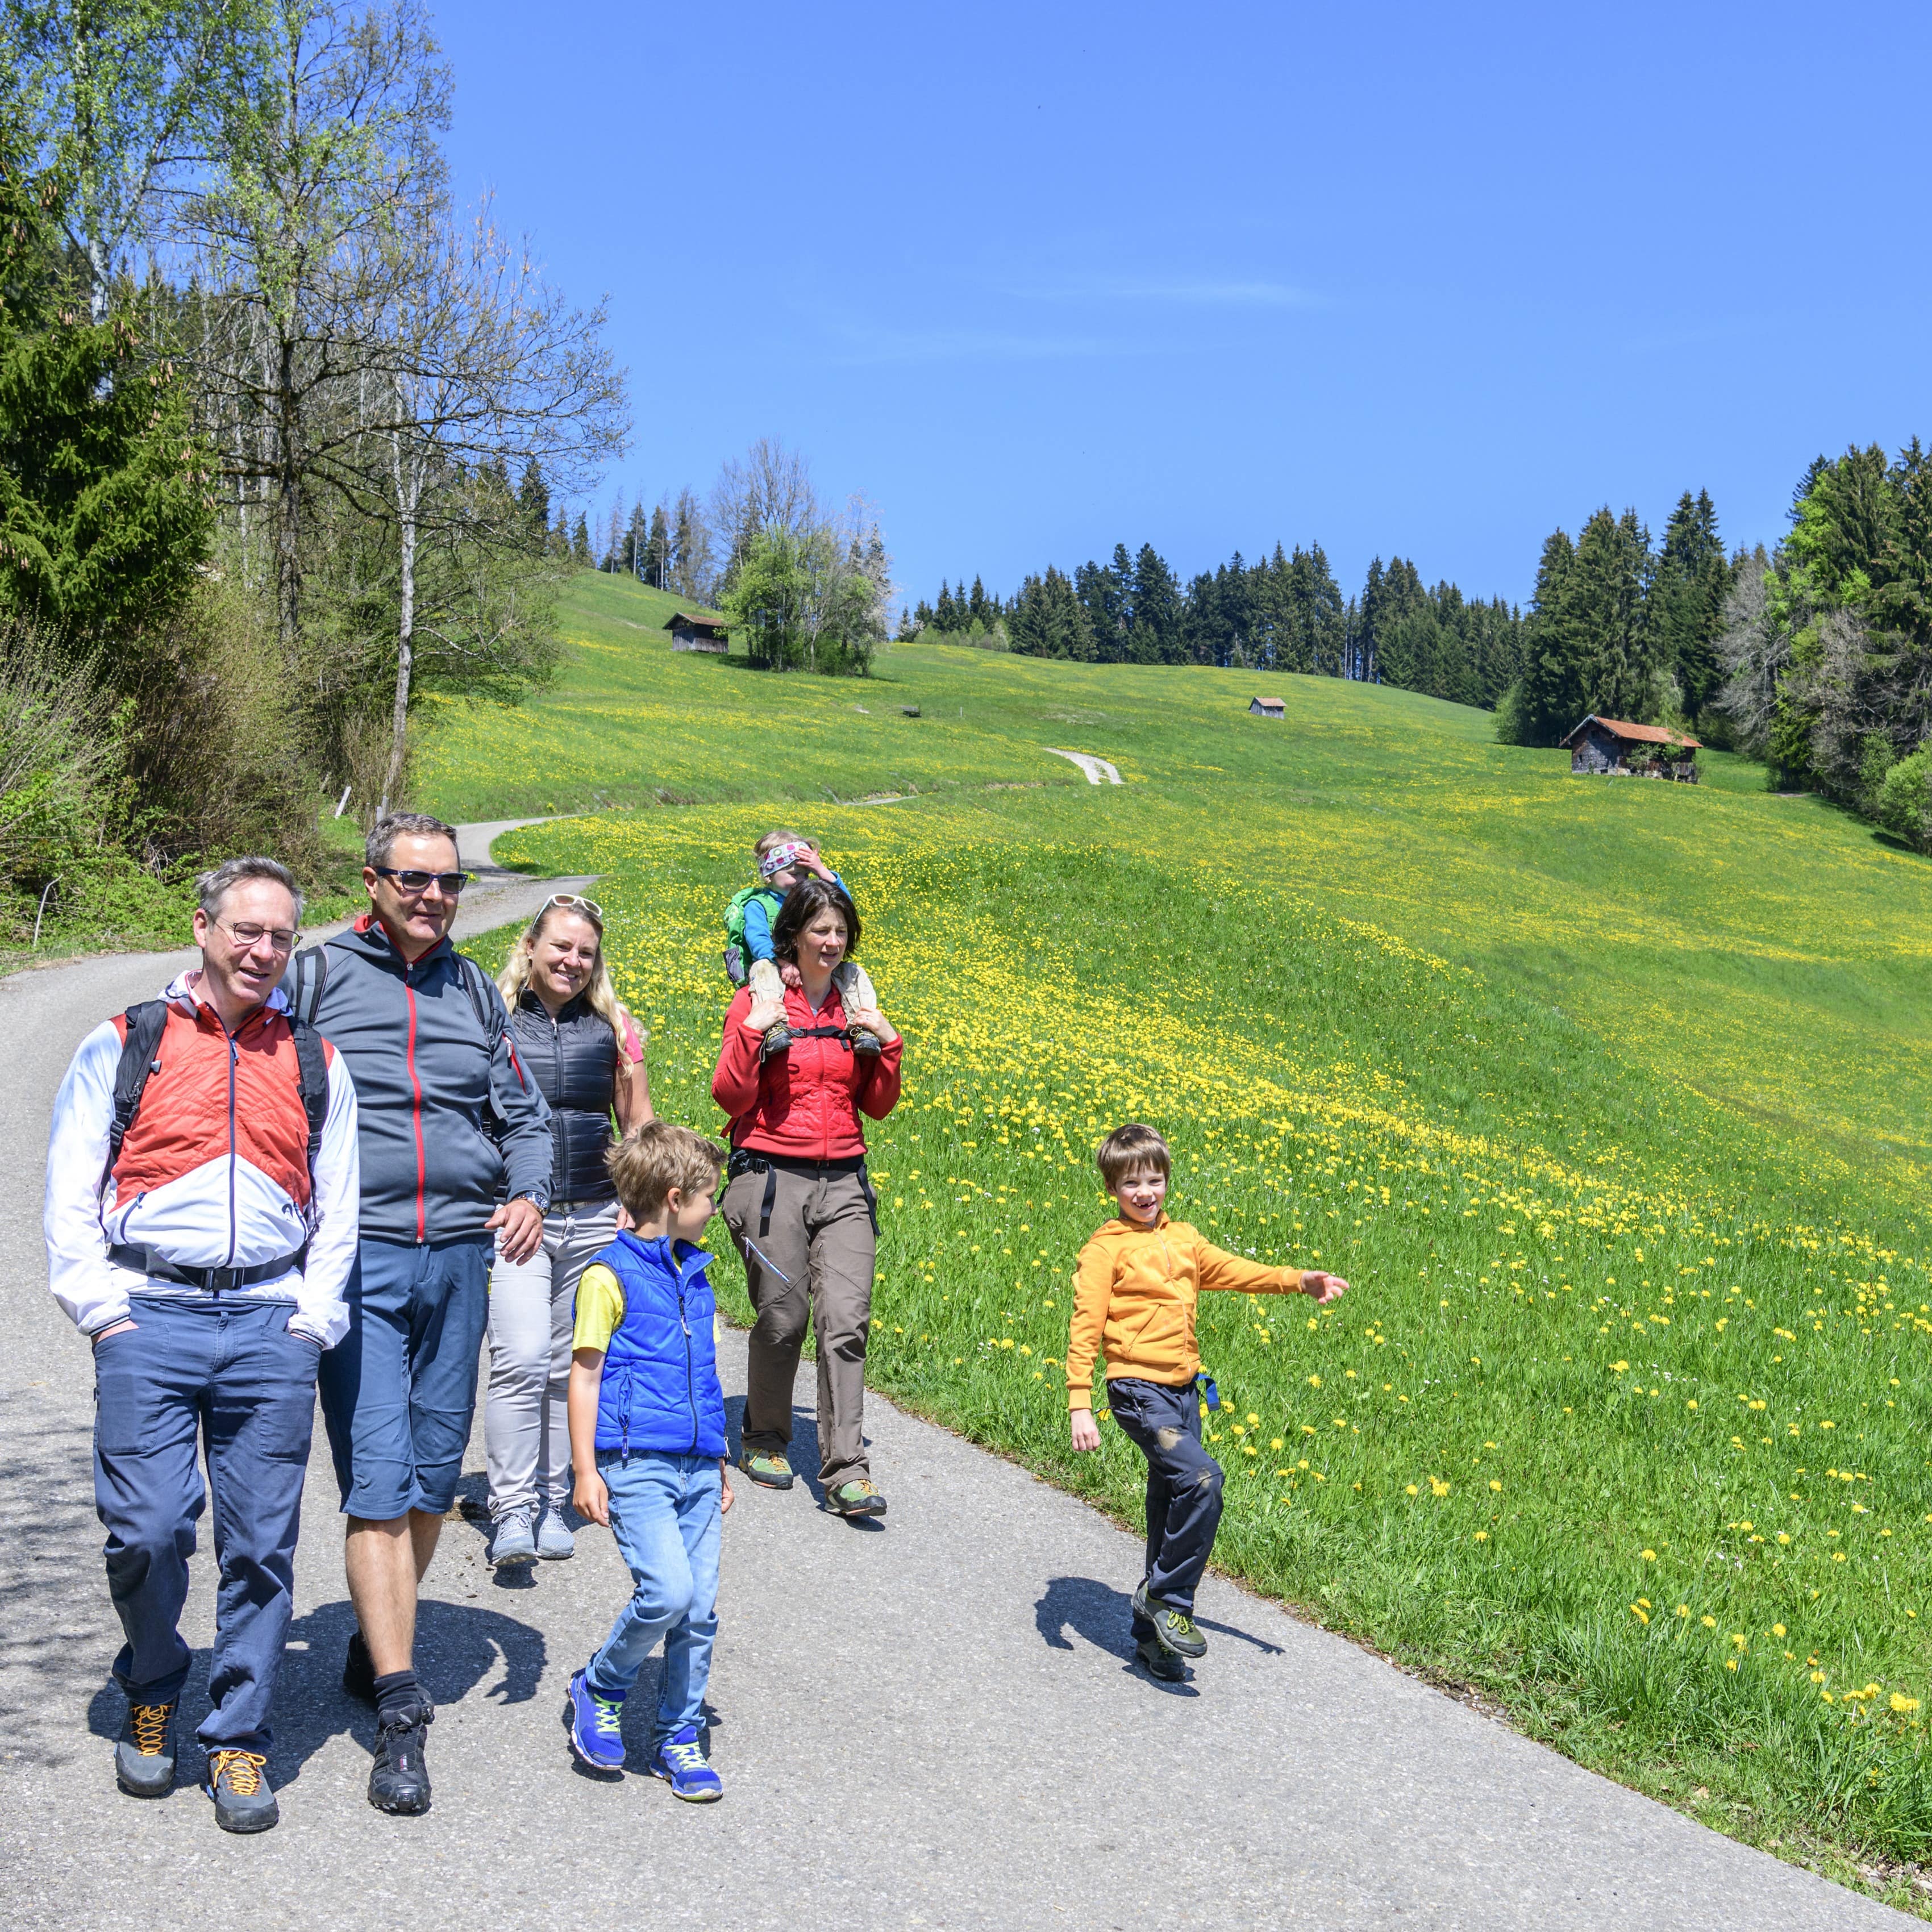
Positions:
(596, 1726)
(1160, 1664)
(777, 1039)
(1174, 1630)
(862, 1041)
(680, 1760)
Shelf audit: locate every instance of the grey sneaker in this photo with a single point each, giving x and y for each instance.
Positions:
(554, 1540)
(511, 1541)
(144, 1759)
(778, 1037)
(238, 1781)
(863, 1042)
(1160, 1664)
(1174, 1630)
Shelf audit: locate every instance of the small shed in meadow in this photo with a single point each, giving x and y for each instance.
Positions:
(692, 633)
(1267, 707)
(1611, 745)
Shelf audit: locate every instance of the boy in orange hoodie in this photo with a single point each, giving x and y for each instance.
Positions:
(1134, 1295)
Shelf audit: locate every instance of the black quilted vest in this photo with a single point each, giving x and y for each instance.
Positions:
(573, 1061)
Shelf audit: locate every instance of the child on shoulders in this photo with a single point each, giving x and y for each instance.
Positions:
(1134, 1294)
(783, 859)
(647, 1448)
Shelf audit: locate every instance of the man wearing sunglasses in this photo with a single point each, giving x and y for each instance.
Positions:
(456, 1163)
(201, 1226)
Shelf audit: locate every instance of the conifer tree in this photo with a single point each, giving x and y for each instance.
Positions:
(1157, 635)
(1551, 697)
(533, 497)
(946, 616)
(657, 550)
(580, 542)
(1694, 579)
(977, 610)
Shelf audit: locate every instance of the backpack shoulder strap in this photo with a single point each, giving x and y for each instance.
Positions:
(312, 1066)
(308, 975)
(146, 1024)
(485, 999)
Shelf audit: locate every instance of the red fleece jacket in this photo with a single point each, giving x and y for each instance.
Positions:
(805, 1102)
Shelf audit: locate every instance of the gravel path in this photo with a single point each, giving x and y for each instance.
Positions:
(1098, 771)
(933, 1722)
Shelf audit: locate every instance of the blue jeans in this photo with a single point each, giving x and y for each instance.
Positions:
(230, 1375)
(399, 1390)
(664, 1514)
(1183, 1485)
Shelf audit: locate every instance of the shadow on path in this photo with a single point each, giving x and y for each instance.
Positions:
(457, 1646)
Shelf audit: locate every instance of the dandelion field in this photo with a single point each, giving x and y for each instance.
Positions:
(1608, 1098)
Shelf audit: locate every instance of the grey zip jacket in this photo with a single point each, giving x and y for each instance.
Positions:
(425, 1081)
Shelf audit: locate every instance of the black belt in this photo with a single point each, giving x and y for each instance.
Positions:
(771, 1165)
(209, 1280)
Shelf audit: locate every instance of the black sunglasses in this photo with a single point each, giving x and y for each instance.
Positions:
(412, 881)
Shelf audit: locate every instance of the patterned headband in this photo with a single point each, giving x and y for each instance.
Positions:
(780, 858)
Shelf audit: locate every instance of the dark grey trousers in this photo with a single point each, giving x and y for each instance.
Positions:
(1184, 1486)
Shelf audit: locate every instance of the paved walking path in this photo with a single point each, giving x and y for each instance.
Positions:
(930, 1723)
(1098, 770)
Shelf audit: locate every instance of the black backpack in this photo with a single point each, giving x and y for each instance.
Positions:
(145, 1023)
(308, 974)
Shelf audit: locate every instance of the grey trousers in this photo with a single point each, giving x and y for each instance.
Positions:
(532, 1312)
(813, 1260)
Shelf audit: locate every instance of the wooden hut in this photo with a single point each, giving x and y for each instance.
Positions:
(1610, 745)
(1267, 707)
(692, 633)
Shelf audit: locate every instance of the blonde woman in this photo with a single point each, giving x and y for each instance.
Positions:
(585, 1054)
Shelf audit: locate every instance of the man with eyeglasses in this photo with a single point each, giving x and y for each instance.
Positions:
(201, 1213)
(456, 1162)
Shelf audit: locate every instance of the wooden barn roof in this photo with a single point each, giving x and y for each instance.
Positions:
(1270, 704)
(1634, 734)
(682, 620)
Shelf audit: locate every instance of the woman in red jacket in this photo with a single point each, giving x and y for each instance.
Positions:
(798, 1203)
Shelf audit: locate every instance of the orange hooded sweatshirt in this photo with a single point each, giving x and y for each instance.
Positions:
(1134, 1292)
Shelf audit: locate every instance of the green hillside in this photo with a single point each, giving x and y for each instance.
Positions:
(1610, 1098)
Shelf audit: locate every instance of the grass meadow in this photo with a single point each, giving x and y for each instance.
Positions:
(1609, 1098)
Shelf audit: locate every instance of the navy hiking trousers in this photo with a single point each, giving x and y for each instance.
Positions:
(1184, 1486)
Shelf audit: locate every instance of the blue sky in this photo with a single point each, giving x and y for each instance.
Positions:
(1425, 279)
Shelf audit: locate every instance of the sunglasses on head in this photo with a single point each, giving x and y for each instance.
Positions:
(413, 881)
(572, 902)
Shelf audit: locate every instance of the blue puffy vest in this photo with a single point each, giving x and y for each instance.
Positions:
(661, 1389)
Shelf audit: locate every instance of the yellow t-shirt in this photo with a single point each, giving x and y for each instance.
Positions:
(600, 1307)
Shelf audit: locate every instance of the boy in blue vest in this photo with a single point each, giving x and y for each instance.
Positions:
(647, 1445)
(783, 860)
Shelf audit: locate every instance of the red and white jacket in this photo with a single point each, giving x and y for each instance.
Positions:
(805, 1101)
(214, 1173)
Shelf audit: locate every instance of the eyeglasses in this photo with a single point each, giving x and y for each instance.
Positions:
(282, 938)
(411, 881)
(572, 902)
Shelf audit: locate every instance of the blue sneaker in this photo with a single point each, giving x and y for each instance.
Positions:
(680, 1760)
(596, 1726)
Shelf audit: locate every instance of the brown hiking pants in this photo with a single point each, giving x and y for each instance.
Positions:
(815, 1257)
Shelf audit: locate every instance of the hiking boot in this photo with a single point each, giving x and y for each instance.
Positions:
(358, 1670)
(680, 1760)
(399, 1778)
(511, 1541)
(238, 1783)
(144, 1759)
(1160, 1664)
(862, 1041)
(767, 1468)
(776, 1039)
(1174, 1630)
(596, 1726)
(554, 1540)
(856, 1498)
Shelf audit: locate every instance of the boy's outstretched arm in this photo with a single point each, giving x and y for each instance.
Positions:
(592, 1495)
(1221, 1272)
